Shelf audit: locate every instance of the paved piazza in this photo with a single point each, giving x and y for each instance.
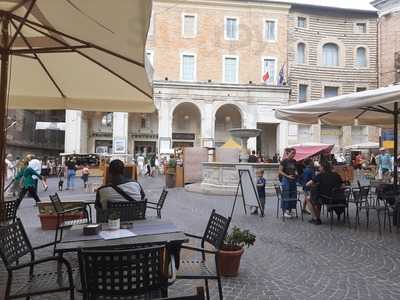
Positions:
(290, 260)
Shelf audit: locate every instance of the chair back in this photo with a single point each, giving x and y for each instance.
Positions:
(14, 243)
(216, 230)
(278, 191)
(10, 210)
(113, 273)
(163, 196)
(128, 211)
(57, 204)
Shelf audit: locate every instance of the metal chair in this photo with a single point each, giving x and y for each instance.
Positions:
(128, 211)
(361, 200)
(199, 295)
(121, 274)
(14, 244)
(196, 268)
(281, 199)
(337, 200)
(278, 192)
(159, 205)
(62, 221)
(10, 211)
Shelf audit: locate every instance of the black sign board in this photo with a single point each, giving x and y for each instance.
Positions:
(183, 136)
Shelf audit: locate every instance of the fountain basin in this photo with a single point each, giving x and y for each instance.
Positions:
(223, 178)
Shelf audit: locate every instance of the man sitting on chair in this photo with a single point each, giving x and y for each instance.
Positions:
(120, 188)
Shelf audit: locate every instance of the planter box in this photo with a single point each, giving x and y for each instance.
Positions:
(48, 217)
(49, 221)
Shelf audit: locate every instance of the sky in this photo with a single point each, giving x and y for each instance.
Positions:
(350, 4)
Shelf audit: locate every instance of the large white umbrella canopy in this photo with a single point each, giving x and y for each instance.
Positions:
(372, 107)
(73, 54)
(379, 107)
(78, 54)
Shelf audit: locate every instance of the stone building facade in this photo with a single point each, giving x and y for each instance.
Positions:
(388, 41)
(331, 52)
(209, 60)
(225, 64)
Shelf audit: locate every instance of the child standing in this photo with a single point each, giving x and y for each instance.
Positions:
(85, 176)
(260, 190)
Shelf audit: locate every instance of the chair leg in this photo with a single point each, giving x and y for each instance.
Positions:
(379, 222)
(367, 217)
(207, 289)
(72, 294)
(55, 241)
(277, 209)
(331, 212)
(389, 222)
(221, 297)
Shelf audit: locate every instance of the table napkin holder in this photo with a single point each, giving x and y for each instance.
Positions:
(91, 229)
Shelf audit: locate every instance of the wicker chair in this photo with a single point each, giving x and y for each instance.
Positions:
(199, 296)
(159, 205)
(10, 210)
(128, 211)
(62, 223)
(120, 274)
(196, 268)
(14, 245)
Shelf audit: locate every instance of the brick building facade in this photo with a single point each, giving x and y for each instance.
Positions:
(331, 52)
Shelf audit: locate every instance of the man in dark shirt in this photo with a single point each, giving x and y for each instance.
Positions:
(252, 157)
(288, 173)
(323, 185)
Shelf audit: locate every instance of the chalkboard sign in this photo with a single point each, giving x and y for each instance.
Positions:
(248, 188)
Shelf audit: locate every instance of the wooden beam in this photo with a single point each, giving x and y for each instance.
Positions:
(80, 41)
(48, 49)
(21, 24)
(41, 63)
(91, 59)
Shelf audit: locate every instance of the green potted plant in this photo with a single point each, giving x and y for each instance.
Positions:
(232, 250)
(114, 222)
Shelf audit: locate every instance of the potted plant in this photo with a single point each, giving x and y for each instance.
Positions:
(114, 222)
(232, 250)
(48, 216)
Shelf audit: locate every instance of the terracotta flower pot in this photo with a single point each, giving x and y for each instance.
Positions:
(49, 221)
(229, 262)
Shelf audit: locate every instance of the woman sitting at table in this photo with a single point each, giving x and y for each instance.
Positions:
(120, 188)
(322, 187)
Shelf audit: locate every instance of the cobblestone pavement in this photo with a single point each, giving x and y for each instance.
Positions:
(290, 260)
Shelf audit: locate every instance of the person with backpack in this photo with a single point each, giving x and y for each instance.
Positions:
(120, 188)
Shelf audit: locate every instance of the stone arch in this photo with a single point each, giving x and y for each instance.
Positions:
(186, 124)
(226, 116)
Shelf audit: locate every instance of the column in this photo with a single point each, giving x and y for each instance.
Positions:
(164, 127)
(207, 125)
(73, 131)
(250, 122)
(120, 133)
(282, 136)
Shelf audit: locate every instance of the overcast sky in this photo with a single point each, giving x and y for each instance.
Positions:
(354, 4)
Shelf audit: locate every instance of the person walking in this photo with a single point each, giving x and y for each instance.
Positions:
(45, 171)
(85, 176)
(71, 168)
(27, 173)
(288, 172)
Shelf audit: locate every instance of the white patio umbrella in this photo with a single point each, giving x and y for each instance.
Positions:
(377, 107)
(73, 54)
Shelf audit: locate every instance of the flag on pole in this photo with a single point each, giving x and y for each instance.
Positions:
(282, 75)
(266, 77)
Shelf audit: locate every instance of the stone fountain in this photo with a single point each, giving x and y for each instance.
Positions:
(221, 177)
(244, 135)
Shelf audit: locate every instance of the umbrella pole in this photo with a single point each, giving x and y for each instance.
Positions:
(395, 146)
(3, 106)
